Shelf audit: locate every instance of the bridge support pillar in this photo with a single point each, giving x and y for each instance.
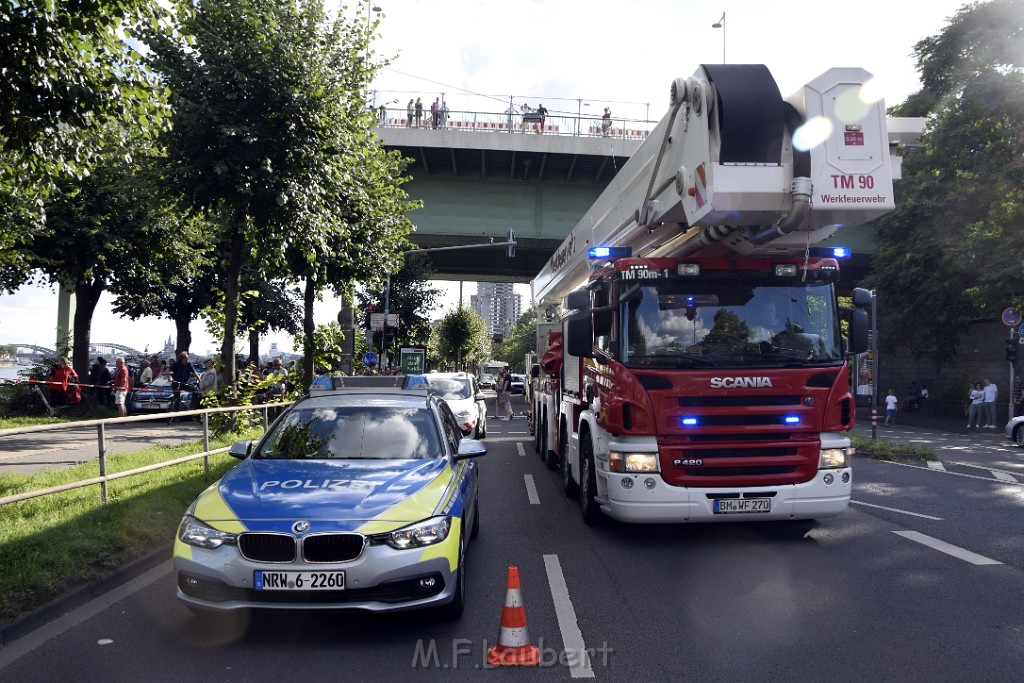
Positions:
(65, 318)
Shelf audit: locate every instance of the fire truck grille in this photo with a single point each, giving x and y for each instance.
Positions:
(737, 401)
(706, 453)
(738, 471)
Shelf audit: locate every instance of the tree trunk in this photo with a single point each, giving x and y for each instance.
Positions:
(308, 345)
(182, 321)
(87, 295)
(232, 287)
(254, 346)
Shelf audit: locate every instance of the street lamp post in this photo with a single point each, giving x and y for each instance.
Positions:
(721, 24)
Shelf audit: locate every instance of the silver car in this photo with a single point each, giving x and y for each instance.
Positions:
(357, 498)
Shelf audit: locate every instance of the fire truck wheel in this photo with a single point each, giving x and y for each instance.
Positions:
(569, 486)
(588, 483)
(550, 457)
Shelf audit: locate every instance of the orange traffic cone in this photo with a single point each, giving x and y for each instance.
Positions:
(513, 648)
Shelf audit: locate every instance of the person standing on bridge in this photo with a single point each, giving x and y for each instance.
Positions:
(419, 112)
(410, 111)
(606, 122)
(435, 113)
(542, 114)
(121, 386)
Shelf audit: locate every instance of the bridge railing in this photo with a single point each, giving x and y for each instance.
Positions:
(499, 122)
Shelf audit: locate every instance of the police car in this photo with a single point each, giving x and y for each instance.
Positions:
(362, 495)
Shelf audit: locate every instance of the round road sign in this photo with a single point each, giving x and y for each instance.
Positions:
(370, 357)
(1011, 317)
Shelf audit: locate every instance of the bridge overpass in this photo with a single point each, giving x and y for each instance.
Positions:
(483, 173)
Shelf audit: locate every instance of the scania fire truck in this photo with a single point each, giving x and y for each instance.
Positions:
(692, 361)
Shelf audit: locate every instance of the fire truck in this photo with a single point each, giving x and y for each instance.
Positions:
(694, 360)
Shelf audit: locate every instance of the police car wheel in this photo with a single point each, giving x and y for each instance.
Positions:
(1018, 436)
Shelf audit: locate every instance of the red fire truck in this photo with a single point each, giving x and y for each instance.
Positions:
(693, 357)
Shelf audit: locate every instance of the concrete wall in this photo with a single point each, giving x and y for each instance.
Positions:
(981, 355)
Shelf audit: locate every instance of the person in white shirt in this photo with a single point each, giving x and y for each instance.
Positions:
(974, 398)
(890, 408)
(989, 403)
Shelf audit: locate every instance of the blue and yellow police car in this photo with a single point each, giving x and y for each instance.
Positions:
(362, 495)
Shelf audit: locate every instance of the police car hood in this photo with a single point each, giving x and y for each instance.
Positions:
(345, 492)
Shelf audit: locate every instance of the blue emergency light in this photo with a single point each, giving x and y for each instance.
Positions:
(792, 419)
(841, 252)
(689, 421)
(608, 253)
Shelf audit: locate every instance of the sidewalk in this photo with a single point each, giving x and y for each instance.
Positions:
(927, 420)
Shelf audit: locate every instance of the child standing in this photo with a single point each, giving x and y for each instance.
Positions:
(890, 408)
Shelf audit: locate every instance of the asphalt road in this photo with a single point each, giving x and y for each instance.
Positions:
(922, 579)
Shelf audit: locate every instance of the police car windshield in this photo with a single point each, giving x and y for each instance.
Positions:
(450, 388)
(353, 432)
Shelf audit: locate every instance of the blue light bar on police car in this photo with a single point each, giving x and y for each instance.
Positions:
(609, 252)
(841, 252)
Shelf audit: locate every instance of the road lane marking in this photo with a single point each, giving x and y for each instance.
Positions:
(948, 548)
(531, 490)
(519, 447)
(952, 474)
(936, 465)
(572, 636)
(902, 512)
(1004, 476)
(22, 646)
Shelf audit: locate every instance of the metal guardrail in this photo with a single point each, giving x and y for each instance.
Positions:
(100, 425)
(498, 122)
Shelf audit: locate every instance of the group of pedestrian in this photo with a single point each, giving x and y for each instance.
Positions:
(981, 405)
(65, 390)
(438, 114)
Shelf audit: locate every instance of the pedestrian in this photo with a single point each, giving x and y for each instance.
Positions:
(63, 384)
(510, 113)
(444, 114)
(989, 403)
(122, 384)
(208, 380)
(506, 393)
(890, 408)
(524, 111)
(182, 374)
(410, 111)
(435, 113)
(99, 378)
(542, 112)
(419, 112)
(974, 398)
(606, 122)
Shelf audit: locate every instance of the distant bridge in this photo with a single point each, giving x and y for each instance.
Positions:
(114, 349)
(33, 349)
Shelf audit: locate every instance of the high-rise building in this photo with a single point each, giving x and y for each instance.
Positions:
(498, 304)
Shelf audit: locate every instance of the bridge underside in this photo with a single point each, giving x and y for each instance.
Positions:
(473, 194)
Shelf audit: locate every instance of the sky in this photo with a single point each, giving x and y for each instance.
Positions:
(574, 56)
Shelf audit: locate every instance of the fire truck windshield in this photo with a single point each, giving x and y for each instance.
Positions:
(674, 323)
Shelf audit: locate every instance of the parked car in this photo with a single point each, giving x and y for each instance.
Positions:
(158, 397)
(1015, 430)
(518, 384)
(487, 381)
(462, 393)
(362, 495)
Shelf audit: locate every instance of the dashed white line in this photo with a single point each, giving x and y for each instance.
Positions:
(531, 490)
(572, 638)
(1004, 476)
(902, 512)
(936, 465)
(948, 548)
(519, 447)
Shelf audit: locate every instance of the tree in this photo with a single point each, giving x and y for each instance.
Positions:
(100, 227)
(69, 68)
(271, 135)
(411, 299)
(521, 339)
(461, 338)
(951, 252)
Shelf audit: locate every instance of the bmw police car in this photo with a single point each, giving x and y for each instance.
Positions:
(361, 496)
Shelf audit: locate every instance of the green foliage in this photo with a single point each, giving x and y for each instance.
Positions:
(460, 340)
(327, 340)
(412, 298)
(879, 449)
(951, 252)
(521, 339)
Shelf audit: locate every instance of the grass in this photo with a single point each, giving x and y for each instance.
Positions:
(53, 544)
(880, 449)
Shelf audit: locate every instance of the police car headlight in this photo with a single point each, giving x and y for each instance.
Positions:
(832, 458)
(194, 532)
(632, 462)
(427, 532)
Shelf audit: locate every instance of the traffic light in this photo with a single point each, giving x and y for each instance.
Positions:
(1011, 349)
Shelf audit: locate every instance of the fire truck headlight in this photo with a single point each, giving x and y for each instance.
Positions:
(632, 462)
(832, 458)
